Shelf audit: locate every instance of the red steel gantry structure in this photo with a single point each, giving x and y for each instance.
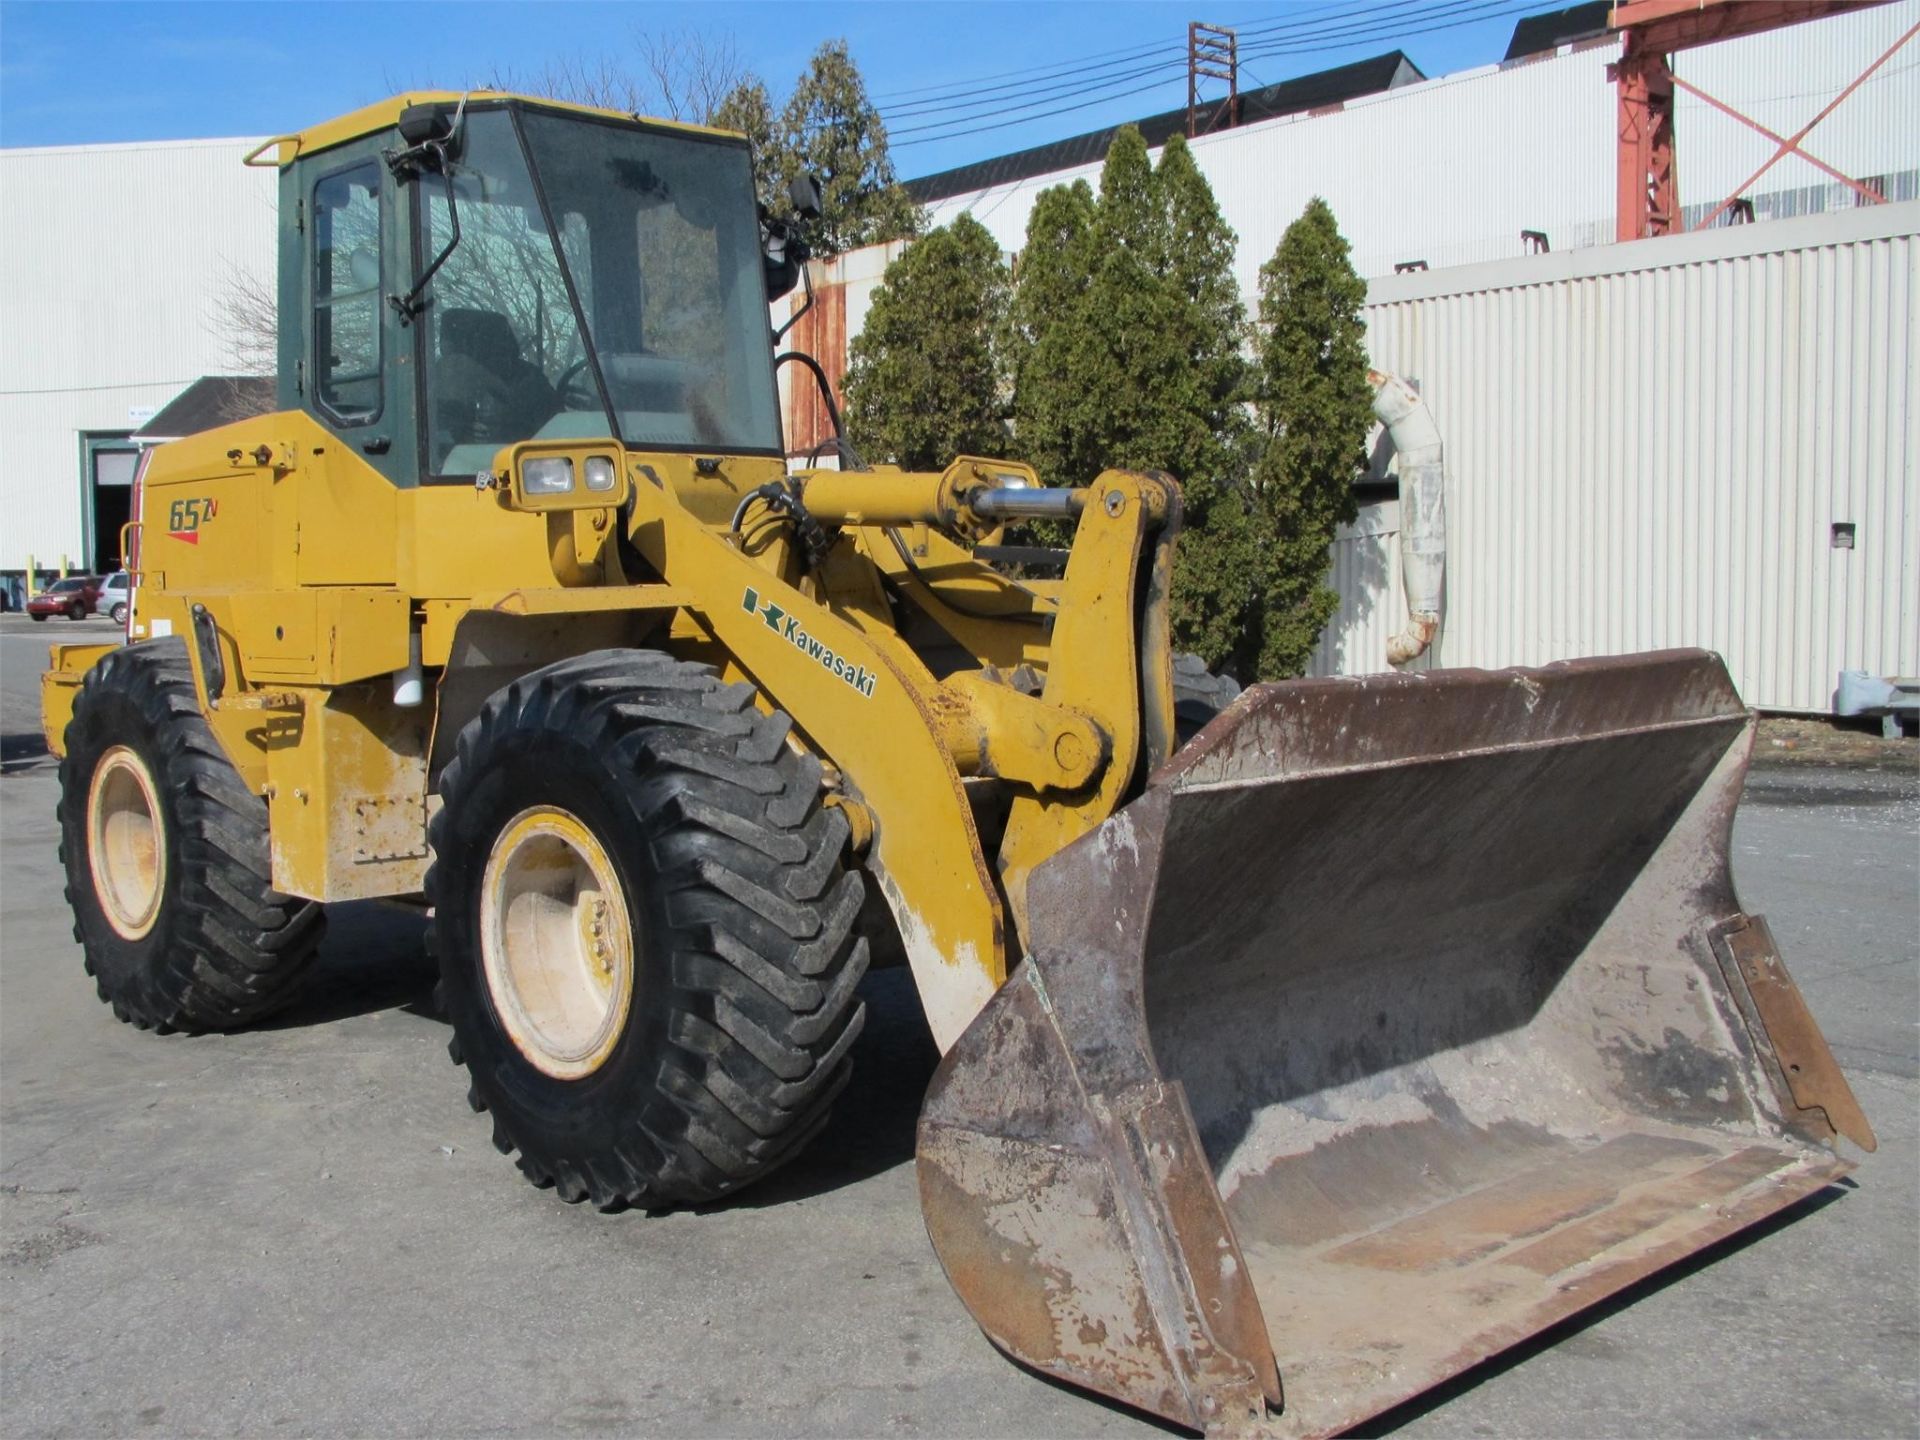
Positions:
(1648, 194)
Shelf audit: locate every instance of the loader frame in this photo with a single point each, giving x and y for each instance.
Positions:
(308, 586)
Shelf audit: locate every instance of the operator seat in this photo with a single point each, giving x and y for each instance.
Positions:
(485, 390)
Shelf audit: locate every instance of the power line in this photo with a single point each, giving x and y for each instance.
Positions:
(1474, 12)
(1450, 16)
(1379, 22)
(1105, 87)
(1370, 12)
(982, 96)
(1017, 79)
(928, 92)
(1176, 55)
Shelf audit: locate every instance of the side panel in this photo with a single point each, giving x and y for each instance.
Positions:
(347, 795)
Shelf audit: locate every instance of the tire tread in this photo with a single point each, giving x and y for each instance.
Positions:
(763, 962)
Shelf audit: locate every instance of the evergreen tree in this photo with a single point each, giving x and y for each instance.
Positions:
(747, 109)
(1128, 335)
(1050, 282)
(1314, 410)
(1133, 212)
(831, 130)
(925, 381)
(1216, 571)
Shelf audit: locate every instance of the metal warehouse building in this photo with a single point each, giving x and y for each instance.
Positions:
(117, 266)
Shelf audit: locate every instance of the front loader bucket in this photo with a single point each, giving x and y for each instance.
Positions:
(1398, 1019)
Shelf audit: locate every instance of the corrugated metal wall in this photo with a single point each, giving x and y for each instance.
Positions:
(1365, 573)
(1450, 171)
(1649, 445)
(113, 264)
(843, 290)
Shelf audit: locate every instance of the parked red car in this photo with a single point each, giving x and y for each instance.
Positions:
(74, 597)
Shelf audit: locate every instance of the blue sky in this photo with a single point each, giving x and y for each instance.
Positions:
(79, 73)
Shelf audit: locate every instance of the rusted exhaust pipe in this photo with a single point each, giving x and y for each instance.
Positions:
(1423, 511)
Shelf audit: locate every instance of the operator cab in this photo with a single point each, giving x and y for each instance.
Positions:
(502, 270)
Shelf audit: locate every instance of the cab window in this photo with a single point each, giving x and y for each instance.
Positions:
(346, 294)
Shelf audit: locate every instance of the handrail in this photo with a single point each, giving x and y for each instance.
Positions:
(252, 157)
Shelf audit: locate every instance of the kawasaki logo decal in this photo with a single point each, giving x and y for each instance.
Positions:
(788, 628)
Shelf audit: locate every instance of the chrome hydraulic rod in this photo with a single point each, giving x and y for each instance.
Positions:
(1024, 502)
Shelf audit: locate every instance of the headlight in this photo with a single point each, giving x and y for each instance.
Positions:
(547, 475)
(600, 473)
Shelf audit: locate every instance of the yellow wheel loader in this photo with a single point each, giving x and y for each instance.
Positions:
(1286, 1071)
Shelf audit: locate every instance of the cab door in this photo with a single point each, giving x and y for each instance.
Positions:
(349, 359)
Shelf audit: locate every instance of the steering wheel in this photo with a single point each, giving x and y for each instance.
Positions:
(570, 389)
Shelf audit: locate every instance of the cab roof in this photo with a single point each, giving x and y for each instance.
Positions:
(385, 115)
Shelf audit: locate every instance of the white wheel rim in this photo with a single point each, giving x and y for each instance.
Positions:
(556, 942)
(126, 845)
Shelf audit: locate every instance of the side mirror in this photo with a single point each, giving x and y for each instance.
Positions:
(421, 123)
(803, 192)
(783, 256)
(432, 134)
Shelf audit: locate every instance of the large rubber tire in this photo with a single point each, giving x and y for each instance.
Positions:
(221, 947)
(1198, 695)
(744, 962)
(118, 614)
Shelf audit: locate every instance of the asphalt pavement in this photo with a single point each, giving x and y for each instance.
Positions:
(301, 1229)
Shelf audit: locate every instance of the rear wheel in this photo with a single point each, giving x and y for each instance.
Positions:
(76, 612)
(166, 856)
(646, 935)
(1198, 695)
(118, 614)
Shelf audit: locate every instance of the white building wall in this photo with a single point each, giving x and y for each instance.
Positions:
(1648, 445)
(1451, 170)
(113, 264)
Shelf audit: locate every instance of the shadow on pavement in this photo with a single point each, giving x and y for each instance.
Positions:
(22, 750)
(374, 958)
(872, 1126)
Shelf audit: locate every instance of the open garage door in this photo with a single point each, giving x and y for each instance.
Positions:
(110, 463)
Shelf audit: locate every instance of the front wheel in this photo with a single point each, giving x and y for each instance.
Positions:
(646, 934)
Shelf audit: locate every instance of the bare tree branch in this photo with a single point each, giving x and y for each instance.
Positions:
(692, 72)
(246, 318)
(680, 75)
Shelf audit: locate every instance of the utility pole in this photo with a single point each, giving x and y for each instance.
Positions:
(1213, 53)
